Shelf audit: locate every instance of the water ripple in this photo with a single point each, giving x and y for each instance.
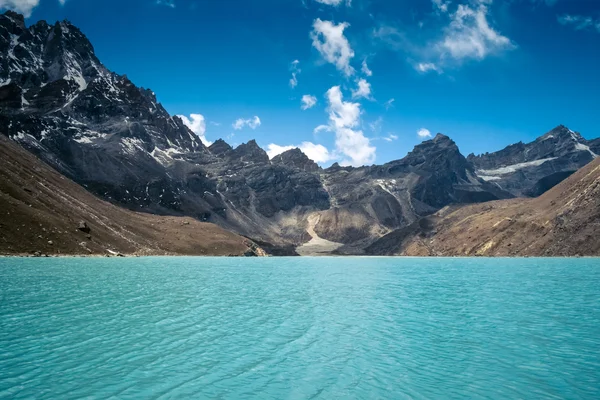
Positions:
(299, 328)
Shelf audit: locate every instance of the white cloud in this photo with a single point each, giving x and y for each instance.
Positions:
(316, 152)
(197, 124)
(470, 36)
(365, 69)
(168, 3)
(389, 104)
(24, 7)
(390, 138)
(466, 34)
(363, 90)
(342, 114)
(579, 22)
(251, 123)
(308, 101)
(441, 5)
(334, 2)
(330, 41)
(322, 128)
(424, 133)
(295, 72)
(351, 143)
(427, 67)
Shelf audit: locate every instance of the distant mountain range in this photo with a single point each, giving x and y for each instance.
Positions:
(97, 128)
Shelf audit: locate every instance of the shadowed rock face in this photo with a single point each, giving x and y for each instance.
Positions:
(533, 168)
(58, 101)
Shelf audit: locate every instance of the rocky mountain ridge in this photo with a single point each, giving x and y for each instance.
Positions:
(531, 169)
(564, 221)
(96, 127)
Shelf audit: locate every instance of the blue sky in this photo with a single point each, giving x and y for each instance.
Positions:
(372, 73)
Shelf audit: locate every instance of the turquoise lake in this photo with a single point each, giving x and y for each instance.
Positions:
(299, 328)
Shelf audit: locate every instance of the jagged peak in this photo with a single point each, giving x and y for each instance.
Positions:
(219, 146)
(15, 17)
(440, 141)
(220, 142)
(295, 158)
(251, 151)
(440, 137)
(561, 132)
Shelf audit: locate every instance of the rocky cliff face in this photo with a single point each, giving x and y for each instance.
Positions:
(99, 129)
(533, 168)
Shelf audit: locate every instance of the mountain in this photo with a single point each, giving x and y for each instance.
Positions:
(533, 168)
(370, 201)
(564, 221)
(97, 128)
(43, 211)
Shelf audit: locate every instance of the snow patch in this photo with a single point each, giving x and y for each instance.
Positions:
(132, 145)
(583, 147)
(490, 178)
(509, 169)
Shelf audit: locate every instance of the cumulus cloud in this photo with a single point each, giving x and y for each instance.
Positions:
(316, 152)
(391, 137)
(365, 69)
(24, 7)
(295, 72)
(579, 22)
(251, 123)
(197, 124)
(466, 34)
(333, 46)
(308, 101)
(470, 36)
(363, 90)
(424, 133)
(351, 143)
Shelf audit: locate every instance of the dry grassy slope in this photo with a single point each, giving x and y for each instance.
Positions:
(565, 221)
(38, 205)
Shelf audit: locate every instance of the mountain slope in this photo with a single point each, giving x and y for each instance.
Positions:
(564, 221)
(533, 168)
(41, 211)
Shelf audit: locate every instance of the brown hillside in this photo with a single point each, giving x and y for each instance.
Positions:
(564, 221)
(40, 211)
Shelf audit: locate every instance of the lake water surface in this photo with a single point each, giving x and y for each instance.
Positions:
(299, 328)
